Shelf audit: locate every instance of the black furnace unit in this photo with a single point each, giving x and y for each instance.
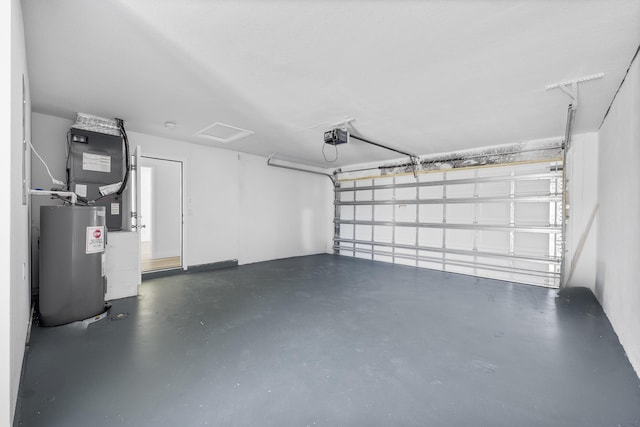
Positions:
(95, 167)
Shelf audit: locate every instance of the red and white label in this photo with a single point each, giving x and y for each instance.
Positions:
(95, 239)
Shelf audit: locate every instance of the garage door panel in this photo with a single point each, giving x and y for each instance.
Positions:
(430, 237)
(494, 188)
(364, 194)
(406, 193)
(346, 196)
(493, 213)
(498, 171)
(494, 262)
(364, 212)
(460, 190)
(405, 236)
(530, 266)
(383, 258)
(459, 239)
(346, 231)
(498, 275)
(383, 194)
(532, 187)
(532, 213)
(427, 193)
(493, 241)
(363, 232)
(406, 213)
(430, 213)
(363, 252)
(497, 222)
(452, 268)
(430, 265)
(405, 257)
(346, 212)
(383, 233)
(460, 214)
(383, 213)
(535, 244)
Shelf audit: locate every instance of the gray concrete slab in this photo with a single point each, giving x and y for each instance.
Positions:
(333, 341)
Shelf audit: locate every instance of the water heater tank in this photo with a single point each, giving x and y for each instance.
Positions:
(72, 280)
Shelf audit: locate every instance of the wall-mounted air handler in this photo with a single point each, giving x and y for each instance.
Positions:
(98, 165)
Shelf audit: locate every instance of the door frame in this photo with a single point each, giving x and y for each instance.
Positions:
(183, 201)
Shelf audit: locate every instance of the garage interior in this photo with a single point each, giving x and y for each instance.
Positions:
(334, 213)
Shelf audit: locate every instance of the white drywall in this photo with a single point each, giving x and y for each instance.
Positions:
(5, 193)
(282, 213)
(618, 253)
(48, 136)
(18, 280)
(582, 174)
(211, 199)
(236, 207)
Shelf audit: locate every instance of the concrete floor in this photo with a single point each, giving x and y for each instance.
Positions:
(333, 341)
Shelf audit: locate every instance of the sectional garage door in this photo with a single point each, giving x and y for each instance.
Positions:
(500, 222)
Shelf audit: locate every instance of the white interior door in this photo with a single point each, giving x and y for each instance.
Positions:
(160, 213)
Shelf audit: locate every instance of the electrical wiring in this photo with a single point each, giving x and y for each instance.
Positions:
(125, 139)
(325, 156)
(55, 181)
(68, 152)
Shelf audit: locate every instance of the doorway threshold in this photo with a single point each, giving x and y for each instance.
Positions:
(191, 269)
(162, 273)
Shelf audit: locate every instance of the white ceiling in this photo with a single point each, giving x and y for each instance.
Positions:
(424, 76)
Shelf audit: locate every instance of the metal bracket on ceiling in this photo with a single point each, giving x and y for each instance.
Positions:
(287, 164)
(570, 87)
(344, 124)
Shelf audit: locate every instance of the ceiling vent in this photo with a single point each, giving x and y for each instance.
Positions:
(223, 133)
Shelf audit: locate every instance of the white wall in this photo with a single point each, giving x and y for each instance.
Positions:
(582, 173)
(618, 253)
(48, 136)
(236, 207)
(5, 194)
(18, 272)
(282, 213)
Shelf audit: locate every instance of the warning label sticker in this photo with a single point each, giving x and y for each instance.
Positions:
(81, 190)
(95, 239)
(96, 162)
